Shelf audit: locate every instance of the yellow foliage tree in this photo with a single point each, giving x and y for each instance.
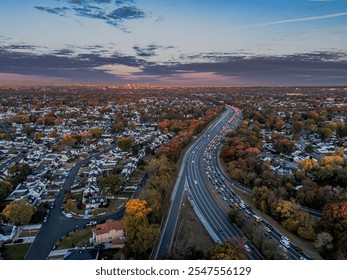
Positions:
(19, 212)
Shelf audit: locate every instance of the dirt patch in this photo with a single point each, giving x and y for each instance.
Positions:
(190, 233)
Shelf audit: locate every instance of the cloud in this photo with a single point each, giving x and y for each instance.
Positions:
(21, 47)
(121, 71)
(64, 52)
(149, 50)
(124, 13)
(122, 2)
(66, 63)
(92, 64)
(111, 12)
(60, 11)
(307, 68)
(313, 18)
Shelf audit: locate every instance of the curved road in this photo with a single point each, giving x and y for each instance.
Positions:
(192, 178)
(57, 225)
(224, 184)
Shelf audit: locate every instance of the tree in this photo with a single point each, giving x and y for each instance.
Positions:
(224, 251)
(111, 184)
(309, 148)
(132, 126)
(340, 248)
(324, 242)
(335, 217)
(283, 209)
(5, 189)
(325, 132)
(68, 140)
(262, 198)
(59, 120)
(117, 127)
(96, 132)
(141, 235)
(19, 212)
(69, 205)
(124, 143)
(160, 166)
(307, 164)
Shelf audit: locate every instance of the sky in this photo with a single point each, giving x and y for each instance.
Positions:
(174, 42)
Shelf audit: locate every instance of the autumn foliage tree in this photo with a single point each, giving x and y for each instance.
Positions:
(124, 143)
(157, 191)
(140, 234)
(68, 140)
(224, 251)
(96, 132)
(69, 205)
(19, 212)
(335, 217)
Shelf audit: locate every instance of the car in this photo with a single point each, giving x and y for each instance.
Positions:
(268, 235)
(298, 249)
(285, 243)
(19, 240)
(267, 229)
(91, 223)
(44, 219)
(284, 238)
(302, 258)
(68, 215)
(247, 248)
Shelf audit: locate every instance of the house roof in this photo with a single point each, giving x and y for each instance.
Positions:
(82, 254)
(108, 226)
(6, 230)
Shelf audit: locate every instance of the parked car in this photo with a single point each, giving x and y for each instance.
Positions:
(68, 215)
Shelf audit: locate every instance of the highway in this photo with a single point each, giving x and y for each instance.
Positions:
(192, 179)
(224, 186)
(217, 165)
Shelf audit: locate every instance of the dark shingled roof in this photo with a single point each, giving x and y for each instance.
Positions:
(82, 254)
(5, 230)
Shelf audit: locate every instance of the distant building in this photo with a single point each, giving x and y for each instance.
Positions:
(111, 234)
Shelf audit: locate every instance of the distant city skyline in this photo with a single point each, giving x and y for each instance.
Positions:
(176, 42)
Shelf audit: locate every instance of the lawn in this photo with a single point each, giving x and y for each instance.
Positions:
(15, 252)
(80, 238)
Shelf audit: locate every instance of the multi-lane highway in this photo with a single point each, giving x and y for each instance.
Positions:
(200, 170)
(224, 186)
(193, 179)
(217, 166)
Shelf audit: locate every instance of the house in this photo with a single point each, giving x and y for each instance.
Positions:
(81, 254)
(94, 201)
(7, 232)
(111, 234)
